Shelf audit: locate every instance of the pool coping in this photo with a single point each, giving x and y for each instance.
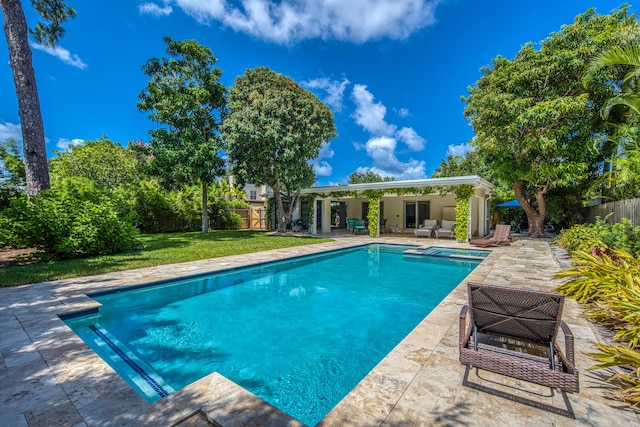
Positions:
(418, 382)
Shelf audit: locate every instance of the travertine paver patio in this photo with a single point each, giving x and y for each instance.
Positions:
(48, 376)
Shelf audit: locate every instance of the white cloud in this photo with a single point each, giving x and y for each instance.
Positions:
(289, 21)
(460, 149)
(333, 88)
(404, 112)
(385, 163)
(369, 114)
(320, 166)
(154, 9)
(410, 137)
(61, 53)
(65, 144)
(382, 145)
(204, 10)
(10, 131)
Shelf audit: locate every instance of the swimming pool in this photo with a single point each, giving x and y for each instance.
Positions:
(300, 334)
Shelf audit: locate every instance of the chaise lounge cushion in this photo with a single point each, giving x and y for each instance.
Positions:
(500, 237)
(427, 227)
(446, 229)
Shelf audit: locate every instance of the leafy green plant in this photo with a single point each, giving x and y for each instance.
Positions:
(74, 220)
(233, 221)
(628, 380)
(609, 282)
(591, 276)
(621, 235)
(463, 193)
(580, 237)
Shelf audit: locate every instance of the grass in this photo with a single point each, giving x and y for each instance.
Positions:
(157, 249)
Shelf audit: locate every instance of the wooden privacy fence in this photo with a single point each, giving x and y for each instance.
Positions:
(629, 209)
(252, 218)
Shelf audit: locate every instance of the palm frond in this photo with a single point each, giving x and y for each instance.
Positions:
(619, 55)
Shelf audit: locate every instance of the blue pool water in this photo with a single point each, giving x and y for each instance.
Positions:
(299, 334)
(444, 252)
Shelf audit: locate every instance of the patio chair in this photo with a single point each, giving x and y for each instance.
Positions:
(383, 225)
(351, 224)
(427, 228)
(500, 237)
(360, 225)
(446, 229)
(513, 332)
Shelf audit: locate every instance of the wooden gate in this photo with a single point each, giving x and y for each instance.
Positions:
(252, 218)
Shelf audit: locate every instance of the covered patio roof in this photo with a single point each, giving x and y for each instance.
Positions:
(476, 181)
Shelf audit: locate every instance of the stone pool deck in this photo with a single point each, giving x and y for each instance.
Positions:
(49, 377)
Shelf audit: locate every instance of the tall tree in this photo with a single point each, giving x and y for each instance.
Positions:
(533, 118)
(186, 96)
(54, 13)
(275, 127)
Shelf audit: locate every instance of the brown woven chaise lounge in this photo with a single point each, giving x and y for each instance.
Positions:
(513, 332)
(500, 237)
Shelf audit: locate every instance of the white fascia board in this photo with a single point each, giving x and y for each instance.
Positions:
(474, 180)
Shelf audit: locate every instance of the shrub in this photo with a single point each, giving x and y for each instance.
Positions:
(622, 235)
(233, 221)
(71, 221)
(580, 237)
(609, 282)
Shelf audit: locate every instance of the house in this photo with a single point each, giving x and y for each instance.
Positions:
(404, 205)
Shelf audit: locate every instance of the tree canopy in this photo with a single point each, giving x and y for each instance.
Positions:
(536, 124)
(186, 96)
(368, 176)
(102, 161)
(274, 129)
(47, 32)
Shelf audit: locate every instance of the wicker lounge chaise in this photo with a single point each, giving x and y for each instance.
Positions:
(500, 237)
(513, 332)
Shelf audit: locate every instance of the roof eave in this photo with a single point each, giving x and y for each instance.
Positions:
(474, 180)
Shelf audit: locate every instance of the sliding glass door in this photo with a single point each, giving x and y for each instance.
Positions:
(415, 212)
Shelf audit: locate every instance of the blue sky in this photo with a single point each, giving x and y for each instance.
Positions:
(393, 71)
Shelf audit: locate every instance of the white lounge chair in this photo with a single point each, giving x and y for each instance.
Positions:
(446, 229)
(426, 229)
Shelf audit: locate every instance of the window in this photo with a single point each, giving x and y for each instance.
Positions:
(253, 195)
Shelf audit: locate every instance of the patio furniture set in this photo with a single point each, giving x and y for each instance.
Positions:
(429, 227)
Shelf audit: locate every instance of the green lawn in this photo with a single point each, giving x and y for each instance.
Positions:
(157, 249)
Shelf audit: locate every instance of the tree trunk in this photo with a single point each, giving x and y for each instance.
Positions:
(535, 218)
(205, 211)
(35, 152)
